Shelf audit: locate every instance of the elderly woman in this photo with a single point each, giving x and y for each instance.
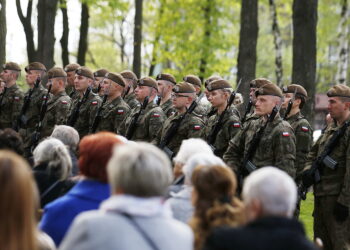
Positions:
(135, 216)
(87, 194)
(52, 167)
(180, 202)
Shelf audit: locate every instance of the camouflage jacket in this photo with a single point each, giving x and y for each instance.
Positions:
(87, 113)
(231, 125)
(303, 136)
(191, 127)
(276, 147)
(168, 108)
(149, 123)
(333, 182)
(131, 101)
(57, 112)
(10, 106)
(113, 114)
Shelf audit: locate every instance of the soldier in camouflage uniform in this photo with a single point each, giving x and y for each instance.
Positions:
(32, 115)
(99, 75)
(220, 91)
(277, 144)
(332, 192)
(151, 119)
(59, 104)
(130, 80)
(191, 126)
(114, 110)
(166, 82)
(11, 97)
(70, 70)
(89, 102)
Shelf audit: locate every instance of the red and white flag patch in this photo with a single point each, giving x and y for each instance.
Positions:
(236, 125)
(304, 129)
(196, 127)
(16, 98)
(44, 97)
(286, 134)
(94, 102)
(64, 102)
(156, 115)
(120, 112)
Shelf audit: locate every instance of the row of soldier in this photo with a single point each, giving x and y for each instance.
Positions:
(164, 112)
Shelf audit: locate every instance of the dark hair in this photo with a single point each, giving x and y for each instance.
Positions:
(11, 140)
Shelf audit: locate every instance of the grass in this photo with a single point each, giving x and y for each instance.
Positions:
(307, 207)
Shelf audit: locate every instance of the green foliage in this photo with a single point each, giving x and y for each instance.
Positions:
(306, 210)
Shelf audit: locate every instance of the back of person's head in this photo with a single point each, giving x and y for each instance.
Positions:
(11, 140)
(271, 191)
(201, 159)
(54, 154)
(213, 193)
(139, 169)
(190, 147)
(19, 201)
(68, 135)
(94, 153)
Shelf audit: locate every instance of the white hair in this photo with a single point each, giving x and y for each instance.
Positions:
(55, 154)
(139, 169)
(190, 147)
(68, 135)
(273, 188)
(200, 159)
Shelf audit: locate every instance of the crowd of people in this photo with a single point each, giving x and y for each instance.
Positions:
(102, 160)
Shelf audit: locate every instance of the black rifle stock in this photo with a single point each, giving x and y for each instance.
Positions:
(247, 110)
(2, 97)
(290, 105)
(21, 120)
(133, 124)
(75, 114)
(126, 91)
(98, 115)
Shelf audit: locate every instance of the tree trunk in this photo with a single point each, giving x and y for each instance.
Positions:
(343, 43)
(304, 49)
(137, 38)
(3, 31)
(246, 63)
(277, 42)
(65, 33)
(28, 30)
(84, 27)
(46, 31)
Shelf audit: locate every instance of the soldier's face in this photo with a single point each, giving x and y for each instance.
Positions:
(98, 81)
(55, 85)
(287, 97)
(81, 83)
(337, 108)
(217, 98)
(180, 100)
(141, 92)
(107, 86)
(252, 94)
(163, 87)
(31, 76)
(264, 104)
(70, 78)
(7, 75)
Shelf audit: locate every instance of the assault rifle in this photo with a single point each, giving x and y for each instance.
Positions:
(2, 97)
(21, 121)
(98, 115)
(37, 134)
(126, 91)
(247, 110)
(75, 114)
(290, 105)
(313, 175)
(173, 129)
(131, 129)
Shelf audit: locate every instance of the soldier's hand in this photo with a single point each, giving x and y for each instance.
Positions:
(307, 178)
(340, 212)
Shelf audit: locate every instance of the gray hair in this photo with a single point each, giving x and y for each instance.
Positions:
(273, 188)
(200, 159)
(68, 135)
(139, 169)
(190, 147)
(54, 153)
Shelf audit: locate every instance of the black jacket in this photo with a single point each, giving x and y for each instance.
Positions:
(268, 233)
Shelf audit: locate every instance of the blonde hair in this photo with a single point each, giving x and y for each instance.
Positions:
(19, 204)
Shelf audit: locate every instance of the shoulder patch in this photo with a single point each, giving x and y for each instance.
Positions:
(304, 129)
(236, 125)
(64, 102)
(16, 98)
(285, 134)
(94, 102)
(156, 115)
(197, 127)
(120, 112)
(44, 97)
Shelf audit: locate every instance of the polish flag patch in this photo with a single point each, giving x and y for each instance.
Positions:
(16, 98)
(286, 134)
(236, 125)
(120, 112)
(44, 97)
(304, 129)
(156, 115)
(94, 103)
(196, 127)
(64, 102)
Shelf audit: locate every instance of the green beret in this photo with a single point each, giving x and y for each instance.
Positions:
(184, 87)
(269, 89)
(100, 73)
(300, 91)
(71, 67)
(11, 66)
(84, 71)
(35, 66)
(193, 80)
(218, 84)
(129, 75)
(166, 77)
(259, 82)
(339, 90)
(56, 72)
(210, 79)
(117, 78)
(149, 82)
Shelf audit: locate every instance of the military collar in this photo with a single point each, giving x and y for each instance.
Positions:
(295, 117)
(116, 100)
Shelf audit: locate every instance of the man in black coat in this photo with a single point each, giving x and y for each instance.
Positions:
(269, 195)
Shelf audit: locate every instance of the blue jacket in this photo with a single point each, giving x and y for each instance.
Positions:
(59, 214)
